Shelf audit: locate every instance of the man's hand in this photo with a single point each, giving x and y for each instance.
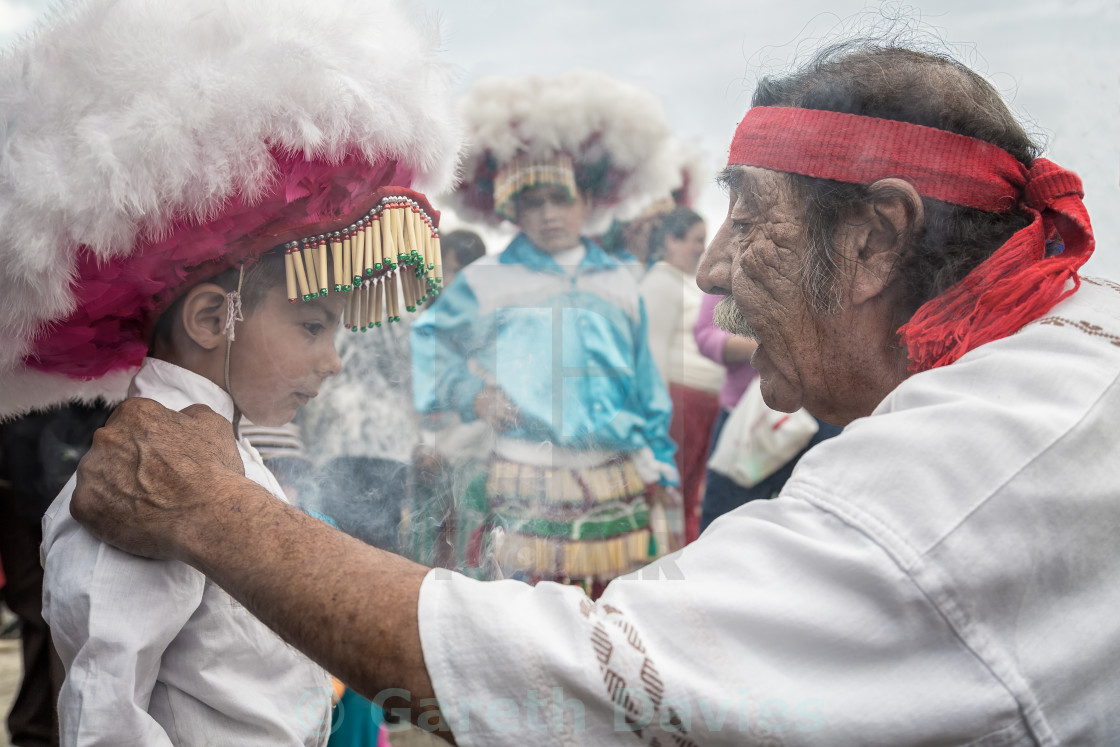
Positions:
(148, 468)
(494, 407)
(171, 485)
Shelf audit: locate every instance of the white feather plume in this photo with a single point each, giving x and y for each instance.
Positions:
(587, 114)
(118, 117)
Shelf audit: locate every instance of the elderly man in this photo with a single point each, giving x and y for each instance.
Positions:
(945, 571)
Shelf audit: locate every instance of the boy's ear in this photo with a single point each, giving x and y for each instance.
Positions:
(204, 315)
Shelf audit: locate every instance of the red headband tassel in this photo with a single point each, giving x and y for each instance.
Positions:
(1017, 284)
(1020, 282)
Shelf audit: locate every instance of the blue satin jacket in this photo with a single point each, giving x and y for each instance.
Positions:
(567, 345)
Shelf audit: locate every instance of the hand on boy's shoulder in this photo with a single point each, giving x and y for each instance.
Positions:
(148, 470)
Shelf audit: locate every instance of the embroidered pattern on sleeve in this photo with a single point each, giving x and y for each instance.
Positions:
(633, 688)
(1087, 327)
(1102, 283)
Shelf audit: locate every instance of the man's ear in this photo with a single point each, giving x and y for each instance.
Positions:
(204, 315)
(875, 236)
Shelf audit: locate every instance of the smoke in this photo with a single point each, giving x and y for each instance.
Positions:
(376, 469)
(417, 484)
(359, 434)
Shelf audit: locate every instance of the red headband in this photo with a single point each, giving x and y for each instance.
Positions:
(1014, 286)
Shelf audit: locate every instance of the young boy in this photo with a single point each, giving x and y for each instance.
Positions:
(194, 194)
(155, 652)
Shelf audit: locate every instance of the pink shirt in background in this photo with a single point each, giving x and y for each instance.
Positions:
(710, 340)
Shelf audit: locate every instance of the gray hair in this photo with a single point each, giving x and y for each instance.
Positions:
(900, 84)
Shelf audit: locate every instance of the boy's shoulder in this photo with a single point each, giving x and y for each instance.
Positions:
(176, 387)
(57, 519)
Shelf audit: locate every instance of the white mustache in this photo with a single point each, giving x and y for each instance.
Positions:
(728, 317)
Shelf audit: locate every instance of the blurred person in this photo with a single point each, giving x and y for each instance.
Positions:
(204, 286)
(672, 301)
(546, 343)
(628, 241)
(945, 571)
(449, 454)
(362, 432)
(460, 248)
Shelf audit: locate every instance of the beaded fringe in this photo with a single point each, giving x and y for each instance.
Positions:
(389, 258)
(523, 173)
(588, 523)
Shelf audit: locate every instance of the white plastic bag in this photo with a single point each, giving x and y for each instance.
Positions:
(756, 441)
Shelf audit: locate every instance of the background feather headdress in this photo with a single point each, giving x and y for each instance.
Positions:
(616, 133)
(125, 124)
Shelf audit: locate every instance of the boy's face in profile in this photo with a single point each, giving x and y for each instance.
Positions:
(282, 353)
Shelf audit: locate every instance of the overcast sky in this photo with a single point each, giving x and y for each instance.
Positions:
(1056, 61)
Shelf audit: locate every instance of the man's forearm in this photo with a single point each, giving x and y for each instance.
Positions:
(349, 606)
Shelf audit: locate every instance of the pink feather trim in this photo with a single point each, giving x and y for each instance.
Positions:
(119, 301)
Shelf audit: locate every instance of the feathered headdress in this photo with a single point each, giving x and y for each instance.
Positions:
(149, 144)
(581, 128)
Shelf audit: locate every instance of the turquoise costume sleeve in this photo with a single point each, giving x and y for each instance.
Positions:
(658, 407)
(441, 344)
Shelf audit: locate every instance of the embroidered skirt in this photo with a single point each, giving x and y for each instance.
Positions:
(585, 524)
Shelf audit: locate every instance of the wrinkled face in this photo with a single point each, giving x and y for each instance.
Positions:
(684, 253)
(756, 257)
(551, 219)
(281, 355)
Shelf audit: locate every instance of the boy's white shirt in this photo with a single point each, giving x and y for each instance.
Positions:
(156, 653)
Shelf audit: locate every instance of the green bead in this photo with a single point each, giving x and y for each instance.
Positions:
(369, 272)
